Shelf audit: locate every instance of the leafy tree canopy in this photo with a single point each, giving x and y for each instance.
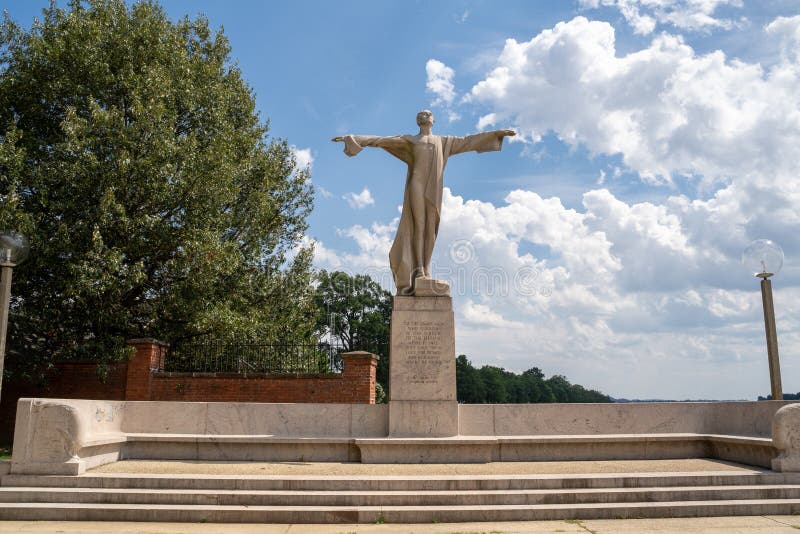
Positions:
(156, 204)
(355, 312)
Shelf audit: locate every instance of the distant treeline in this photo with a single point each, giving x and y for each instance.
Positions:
(677, 400)
(493, 385)
(786, 396)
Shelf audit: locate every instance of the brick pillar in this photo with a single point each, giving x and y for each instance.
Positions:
(359, 375)
(148, 356)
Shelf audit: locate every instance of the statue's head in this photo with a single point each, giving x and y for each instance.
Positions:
(425, 117)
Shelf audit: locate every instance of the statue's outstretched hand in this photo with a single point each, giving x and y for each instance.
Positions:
(338, 138)
(507, 133)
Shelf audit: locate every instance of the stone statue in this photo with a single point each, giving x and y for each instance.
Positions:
(426, 155)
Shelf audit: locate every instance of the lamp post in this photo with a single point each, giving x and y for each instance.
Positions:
(764, 258)
(13, 251)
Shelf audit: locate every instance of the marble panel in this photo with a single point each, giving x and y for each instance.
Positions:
(369, 420)
(165, 417)
(423, 418)
(476, 420)
(301, 419)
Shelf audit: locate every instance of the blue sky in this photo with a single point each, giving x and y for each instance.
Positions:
(657, 138)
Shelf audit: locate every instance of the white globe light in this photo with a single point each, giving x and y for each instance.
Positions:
(14, 248)
(763, 258)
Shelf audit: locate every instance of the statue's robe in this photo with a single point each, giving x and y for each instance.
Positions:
(426, 157)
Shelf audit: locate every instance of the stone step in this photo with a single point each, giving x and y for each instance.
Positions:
(395, 498)
(389, 514)
(400, 483)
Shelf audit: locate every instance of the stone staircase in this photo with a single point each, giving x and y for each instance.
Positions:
(395, 499)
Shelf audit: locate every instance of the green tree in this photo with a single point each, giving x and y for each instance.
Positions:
(156, 204)
(560, 387)
(491, 384)
(469, 386)
(537, 389)
(494, 383)
(355, 311)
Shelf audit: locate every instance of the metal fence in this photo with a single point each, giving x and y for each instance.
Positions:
(245, 358)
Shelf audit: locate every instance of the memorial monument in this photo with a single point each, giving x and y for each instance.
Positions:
(422, 424)
(422, 372)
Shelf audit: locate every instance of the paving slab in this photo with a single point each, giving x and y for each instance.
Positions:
(704, 525)
(700, 525)
(178, 467)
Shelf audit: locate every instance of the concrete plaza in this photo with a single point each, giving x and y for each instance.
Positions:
(708, 525)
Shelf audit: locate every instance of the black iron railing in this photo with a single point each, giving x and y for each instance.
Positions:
(247, 358)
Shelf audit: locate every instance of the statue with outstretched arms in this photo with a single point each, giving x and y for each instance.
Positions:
(426, 156)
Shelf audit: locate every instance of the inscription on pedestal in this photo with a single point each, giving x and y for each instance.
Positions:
(424, 345)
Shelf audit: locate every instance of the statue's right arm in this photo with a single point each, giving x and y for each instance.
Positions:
(354, 143)
(395, 141)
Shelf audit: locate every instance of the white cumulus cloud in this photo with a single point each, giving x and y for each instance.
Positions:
(359, 200)
(644, 15)
(667, 110)
(490, 119)
(787, 30)
(440, 83)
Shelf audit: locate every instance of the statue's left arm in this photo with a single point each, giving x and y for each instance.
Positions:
(481, 142)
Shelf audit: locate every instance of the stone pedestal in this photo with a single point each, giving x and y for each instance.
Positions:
(422, 373)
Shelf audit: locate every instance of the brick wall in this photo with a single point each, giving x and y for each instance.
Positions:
(352, 386)
(139, 379)
(359, 373)
(148, 357)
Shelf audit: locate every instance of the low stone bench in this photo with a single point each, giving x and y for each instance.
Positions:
(62, 436)
(750, 450)
(69, 436)
(459, 449)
